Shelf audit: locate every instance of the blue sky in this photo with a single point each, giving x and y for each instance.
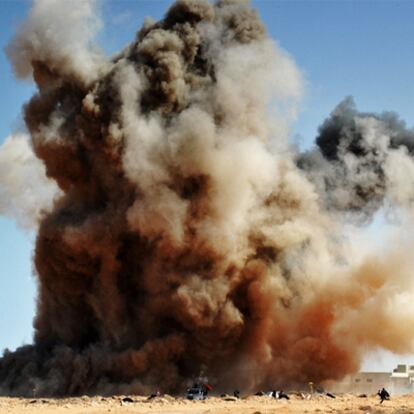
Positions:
(363, 48)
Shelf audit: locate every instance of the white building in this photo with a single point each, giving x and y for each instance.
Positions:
(399, 381)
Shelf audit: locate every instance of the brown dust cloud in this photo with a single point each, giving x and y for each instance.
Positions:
(179, 232)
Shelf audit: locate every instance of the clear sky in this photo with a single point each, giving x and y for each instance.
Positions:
(359, 48)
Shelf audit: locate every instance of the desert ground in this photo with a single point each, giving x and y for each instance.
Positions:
(214, 405)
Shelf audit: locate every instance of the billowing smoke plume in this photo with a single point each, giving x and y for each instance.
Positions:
(186, 237)
(361, 160)
(25, 192)
(58, 36)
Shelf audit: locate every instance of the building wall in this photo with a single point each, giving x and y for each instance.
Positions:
(400, 385)
(363, 383)
(370, 382)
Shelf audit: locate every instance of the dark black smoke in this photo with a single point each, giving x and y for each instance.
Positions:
(350, 161)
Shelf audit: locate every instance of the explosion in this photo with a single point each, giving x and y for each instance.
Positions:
(186, 233)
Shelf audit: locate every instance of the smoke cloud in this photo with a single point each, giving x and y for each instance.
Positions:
(58, 36)
(26, 194)
(188, 234)
(362, 160)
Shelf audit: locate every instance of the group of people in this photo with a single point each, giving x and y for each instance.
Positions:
(204, 389)
(275, 394)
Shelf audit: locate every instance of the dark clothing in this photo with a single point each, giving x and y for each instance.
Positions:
(384, 395)
(279, 395)
(283, 395)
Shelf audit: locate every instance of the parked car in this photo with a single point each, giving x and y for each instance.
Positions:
(196, 393)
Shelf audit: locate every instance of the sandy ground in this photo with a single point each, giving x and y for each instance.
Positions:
(251, 405)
